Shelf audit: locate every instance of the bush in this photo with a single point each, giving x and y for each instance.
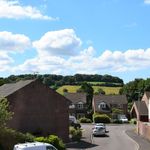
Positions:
(9, 137)
(133, 121)
(85, 120)
(101, 118)
(52, 139)
(76, 134)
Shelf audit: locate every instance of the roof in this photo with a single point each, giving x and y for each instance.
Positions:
(76, 97)
(147, 94)
(110, 99)
(7, 89)
(141, 107)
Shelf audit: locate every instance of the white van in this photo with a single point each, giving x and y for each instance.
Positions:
(34, 146)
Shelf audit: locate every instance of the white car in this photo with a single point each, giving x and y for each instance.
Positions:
(101, 124)
(34, 146)
(123, 119)
(98, 130)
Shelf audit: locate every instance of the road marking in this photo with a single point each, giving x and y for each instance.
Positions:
(138, 147)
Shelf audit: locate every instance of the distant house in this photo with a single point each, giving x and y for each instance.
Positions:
(105, 103)
(37, 108)
(141, 109)
(78, 105)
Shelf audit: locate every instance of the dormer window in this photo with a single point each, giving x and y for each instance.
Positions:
(102, 105)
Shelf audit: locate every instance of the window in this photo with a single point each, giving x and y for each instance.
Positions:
(80, 105)
(102, 105)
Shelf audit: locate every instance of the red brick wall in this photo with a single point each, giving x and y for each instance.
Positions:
(37, 108)
(143, 129)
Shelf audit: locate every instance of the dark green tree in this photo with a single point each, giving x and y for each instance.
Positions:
(87, 88)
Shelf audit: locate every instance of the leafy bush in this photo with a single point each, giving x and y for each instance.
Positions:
(76, 134)
(133, 121)
(101, 118)
(52, 139)
(9, 137)
(85, 120)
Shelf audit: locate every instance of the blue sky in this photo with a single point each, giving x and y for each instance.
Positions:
(75, 36)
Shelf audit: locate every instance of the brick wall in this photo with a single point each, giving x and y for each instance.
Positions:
(39, 110)
(143, 128)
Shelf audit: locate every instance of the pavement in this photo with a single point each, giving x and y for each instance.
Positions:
(143, 144)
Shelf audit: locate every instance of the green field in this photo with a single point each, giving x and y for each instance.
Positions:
(94, 83)
(73, 89)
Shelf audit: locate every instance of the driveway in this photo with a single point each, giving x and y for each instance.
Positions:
(115, 139)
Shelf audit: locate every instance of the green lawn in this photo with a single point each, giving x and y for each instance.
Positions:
(73, 89)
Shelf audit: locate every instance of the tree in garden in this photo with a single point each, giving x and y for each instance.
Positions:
(5, 114)
(87, 88)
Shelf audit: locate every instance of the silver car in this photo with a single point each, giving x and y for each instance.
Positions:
(98, 130)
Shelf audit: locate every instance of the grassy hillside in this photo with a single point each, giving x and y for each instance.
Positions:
(73, 89)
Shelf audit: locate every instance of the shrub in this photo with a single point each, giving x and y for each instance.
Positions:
(76, 134)
(85, 120)
(9, 137)
(133, 121)
(52, 139)
(101, 118)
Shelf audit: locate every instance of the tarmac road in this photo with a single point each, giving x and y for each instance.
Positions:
(115, 139)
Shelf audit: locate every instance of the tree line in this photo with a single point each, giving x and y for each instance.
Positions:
(58, 80)
(134, 90)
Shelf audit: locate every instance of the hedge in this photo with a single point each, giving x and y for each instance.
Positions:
(101, 118)
(85, 120)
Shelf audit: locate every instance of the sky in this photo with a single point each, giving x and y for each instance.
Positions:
(66, 37)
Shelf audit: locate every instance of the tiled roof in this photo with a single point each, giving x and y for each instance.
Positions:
(141, 107)
(76, 97)
(7, 89)
(110, 99)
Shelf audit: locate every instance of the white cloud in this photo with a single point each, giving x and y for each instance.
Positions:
(62, 42)
(13, 42)
(147, 1)
(53, 48)
(5, 61)
(13, 10)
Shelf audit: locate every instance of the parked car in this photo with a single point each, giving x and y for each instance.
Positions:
(99, 130)
(101, 124)
(73, 122)
(34, 146)
(123, 118)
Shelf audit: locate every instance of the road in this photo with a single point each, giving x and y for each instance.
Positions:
(115, 139)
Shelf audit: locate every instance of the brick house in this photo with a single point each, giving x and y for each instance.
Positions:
(37, 108)
(105, 103)
(141, 111)
(78, 106)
